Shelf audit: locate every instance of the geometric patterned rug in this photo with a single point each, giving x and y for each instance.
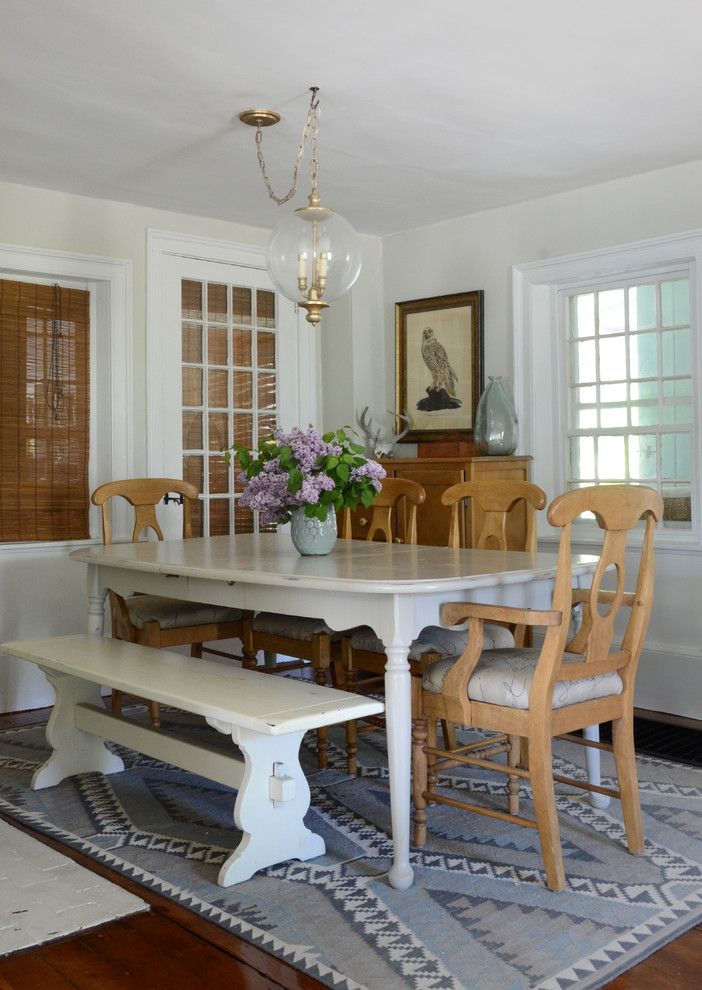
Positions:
(478, 914)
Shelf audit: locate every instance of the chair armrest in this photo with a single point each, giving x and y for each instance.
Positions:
(453, 613)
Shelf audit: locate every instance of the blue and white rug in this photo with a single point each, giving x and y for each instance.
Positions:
(479, 913)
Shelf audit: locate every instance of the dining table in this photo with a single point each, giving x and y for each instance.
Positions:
(396, 589)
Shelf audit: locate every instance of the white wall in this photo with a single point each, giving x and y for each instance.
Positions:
(358, 359)
(478, 253)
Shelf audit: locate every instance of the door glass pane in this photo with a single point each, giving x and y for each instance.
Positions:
(677, 401)
(613, 406)
(644, 403)
(582, 458)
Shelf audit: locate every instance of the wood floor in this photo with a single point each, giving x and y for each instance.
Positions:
(169, 947)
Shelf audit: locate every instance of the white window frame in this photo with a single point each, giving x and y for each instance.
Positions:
(540, 357)
(109, 282)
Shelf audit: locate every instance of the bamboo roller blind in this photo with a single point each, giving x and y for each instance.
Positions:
(44, 412)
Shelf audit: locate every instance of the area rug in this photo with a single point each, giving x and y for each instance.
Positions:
(478, 915)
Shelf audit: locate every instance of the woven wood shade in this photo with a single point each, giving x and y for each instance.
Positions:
(44, 412)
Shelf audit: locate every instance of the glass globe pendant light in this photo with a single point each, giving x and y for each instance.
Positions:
(313, 255)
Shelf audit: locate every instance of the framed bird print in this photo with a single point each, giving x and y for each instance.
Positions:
(439, 364)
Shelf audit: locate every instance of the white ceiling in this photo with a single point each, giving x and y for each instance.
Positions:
(428, 110)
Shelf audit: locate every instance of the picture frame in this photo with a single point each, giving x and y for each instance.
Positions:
(439, 364)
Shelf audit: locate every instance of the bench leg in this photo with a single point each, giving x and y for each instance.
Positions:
(270, 805)
(74, 751)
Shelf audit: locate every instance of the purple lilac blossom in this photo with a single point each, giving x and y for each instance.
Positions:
(268, 491)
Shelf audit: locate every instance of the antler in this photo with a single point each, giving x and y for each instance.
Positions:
(371, 438)
(406, 430)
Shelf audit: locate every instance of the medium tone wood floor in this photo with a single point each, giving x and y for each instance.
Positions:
(169, 947)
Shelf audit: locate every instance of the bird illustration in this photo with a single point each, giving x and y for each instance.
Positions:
(436, 359)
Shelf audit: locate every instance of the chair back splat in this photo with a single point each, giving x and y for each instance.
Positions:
(536, 694)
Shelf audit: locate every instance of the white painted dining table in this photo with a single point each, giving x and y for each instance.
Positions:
(394, 588)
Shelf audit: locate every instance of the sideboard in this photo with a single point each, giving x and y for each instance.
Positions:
(435, 474)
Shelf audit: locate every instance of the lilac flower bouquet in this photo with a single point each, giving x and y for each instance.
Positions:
(288, 471)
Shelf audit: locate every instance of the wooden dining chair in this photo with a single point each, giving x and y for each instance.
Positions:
(553, 691)
(151, 619)
(362, 650)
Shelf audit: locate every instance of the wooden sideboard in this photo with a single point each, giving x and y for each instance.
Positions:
(435, 474)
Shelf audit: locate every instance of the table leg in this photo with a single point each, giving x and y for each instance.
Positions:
(398, 720)
(96, 602)
(592, 758)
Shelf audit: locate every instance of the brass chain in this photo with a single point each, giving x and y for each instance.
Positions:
(311, 122)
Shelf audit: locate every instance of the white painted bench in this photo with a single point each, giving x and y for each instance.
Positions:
(266, 717)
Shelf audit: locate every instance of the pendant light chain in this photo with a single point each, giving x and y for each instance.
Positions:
(311, 122)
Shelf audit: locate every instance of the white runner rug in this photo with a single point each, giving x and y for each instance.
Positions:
(46, 896)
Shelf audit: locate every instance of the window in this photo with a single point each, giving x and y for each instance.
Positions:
(230, 391)
(629, 385)
(607, 374)
(44, 412)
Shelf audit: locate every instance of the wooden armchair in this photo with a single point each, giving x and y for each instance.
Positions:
(151, 619)
(538, 694)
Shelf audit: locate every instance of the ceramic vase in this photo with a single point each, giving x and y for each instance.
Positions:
(313, 536)
(496, 431)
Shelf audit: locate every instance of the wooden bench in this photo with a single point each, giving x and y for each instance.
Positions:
(265, 716)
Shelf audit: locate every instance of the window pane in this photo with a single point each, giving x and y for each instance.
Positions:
(677, 506)
(642, 458)
(585, 407)
(612, 359)
(677, 401)
(584, 362)
(675, 455)
(583, 315)
(613, 406)
(643, 355)
(675, 303)
(642, 307)
(582, 458)
(611, 311)
(644, 403)
(676, 352)
(610, 458)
